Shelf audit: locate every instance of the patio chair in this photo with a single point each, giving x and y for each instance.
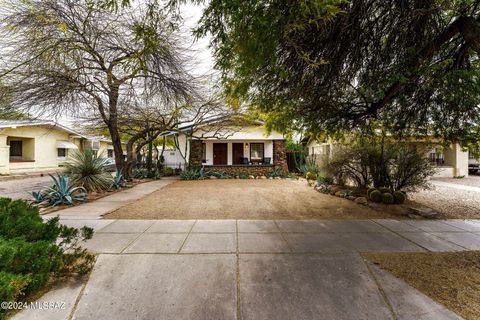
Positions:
(266, 160)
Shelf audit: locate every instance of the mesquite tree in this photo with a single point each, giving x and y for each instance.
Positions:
(337, 64)
(144, 120)
(78, 57)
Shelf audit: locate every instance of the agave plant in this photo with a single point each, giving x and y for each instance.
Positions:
(89, 171)
(38, 196)
(62, 192)
(118, 181)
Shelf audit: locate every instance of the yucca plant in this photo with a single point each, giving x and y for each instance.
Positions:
(62, 192)
(89, 171)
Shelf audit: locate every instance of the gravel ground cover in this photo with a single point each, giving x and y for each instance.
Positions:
(452, 202)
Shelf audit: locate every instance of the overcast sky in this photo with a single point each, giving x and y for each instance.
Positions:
(203, 59)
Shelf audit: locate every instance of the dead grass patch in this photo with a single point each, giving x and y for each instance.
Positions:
(450, 278)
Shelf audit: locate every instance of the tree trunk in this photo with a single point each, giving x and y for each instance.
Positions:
(150, 155)
(113, 128)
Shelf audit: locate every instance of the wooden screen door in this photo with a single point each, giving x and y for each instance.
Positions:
(237, 153)
(220, 154)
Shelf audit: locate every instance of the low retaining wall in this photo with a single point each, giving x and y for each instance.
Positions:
(249, 169)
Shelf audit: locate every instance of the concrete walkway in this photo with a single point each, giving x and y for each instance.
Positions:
(253, 269)
(97, 208)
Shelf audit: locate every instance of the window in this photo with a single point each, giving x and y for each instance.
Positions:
(204, 152)
(256, 151)
(16, 148)
(110, 153)
(61, 152)
(436, 157)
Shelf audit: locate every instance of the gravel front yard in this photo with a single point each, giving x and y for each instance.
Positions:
(243, 199)
(452, 201)
(21, 188)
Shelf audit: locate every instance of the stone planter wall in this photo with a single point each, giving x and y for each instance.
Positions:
(250, 170)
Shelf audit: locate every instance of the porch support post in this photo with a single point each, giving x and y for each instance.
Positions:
(195, 153)
(4, 155)
(279, 155)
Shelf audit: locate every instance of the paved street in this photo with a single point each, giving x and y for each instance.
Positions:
(254, 269)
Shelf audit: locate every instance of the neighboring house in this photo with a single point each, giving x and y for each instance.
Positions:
(43, 145)
(451, 161)
(233, 147)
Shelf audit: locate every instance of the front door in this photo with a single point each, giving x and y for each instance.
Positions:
(237, 153)
(220, 154)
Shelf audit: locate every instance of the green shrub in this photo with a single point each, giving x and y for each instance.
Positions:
(243, 175)
(384, 190)
(33, 251)
(276, 172)
(388, 198)
(89, 171)
(19, 219)
(311, 176)
(321, 180)
(382, 162)
(375, 196)
(118, 181)
(167, 171)
(141, 173)
(310, 165)
(399, 196)
(192, 173)
(11, 287)
(370, 190)
(62, 192)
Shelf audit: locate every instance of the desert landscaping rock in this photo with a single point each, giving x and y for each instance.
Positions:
(361, 200)
(452, 202)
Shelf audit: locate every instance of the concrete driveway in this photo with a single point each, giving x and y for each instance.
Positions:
(251, 269)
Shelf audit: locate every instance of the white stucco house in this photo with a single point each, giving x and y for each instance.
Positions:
(451, 161)
(232, 146)
(28, 146)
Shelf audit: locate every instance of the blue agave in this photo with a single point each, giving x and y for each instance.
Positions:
(62, 192)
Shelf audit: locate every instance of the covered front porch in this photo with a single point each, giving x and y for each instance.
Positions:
(237, 153)
(234, 156)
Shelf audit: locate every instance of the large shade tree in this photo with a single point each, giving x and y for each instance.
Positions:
(81, 58)
(337, 64)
